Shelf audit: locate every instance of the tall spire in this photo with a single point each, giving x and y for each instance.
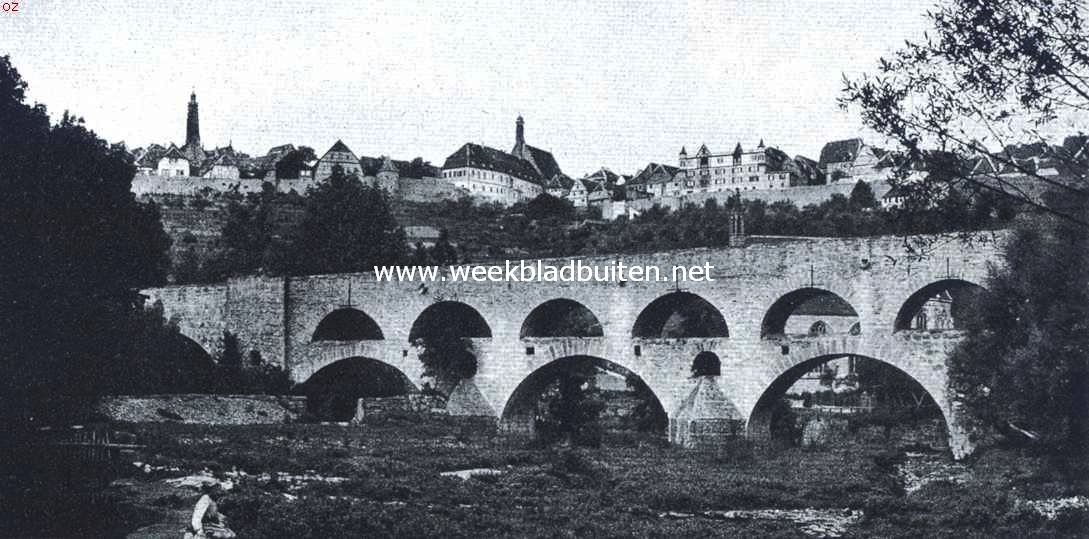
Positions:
(192, 126)
(519, 135)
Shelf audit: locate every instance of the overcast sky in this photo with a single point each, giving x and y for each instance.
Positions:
(613, 84)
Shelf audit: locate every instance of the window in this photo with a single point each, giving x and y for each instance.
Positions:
(920, 321)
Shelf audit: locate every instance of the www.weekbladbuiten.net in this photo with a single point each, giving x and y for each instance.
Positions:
(544, 272)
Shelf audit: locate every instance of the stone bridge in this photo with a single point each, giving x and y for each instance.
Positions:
(755, 289)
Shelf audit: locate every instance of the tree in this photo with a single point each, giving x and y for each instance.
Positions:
(294, 162)
(571, 406)
(348, 227)
(246, 237)
(862, 196)
(993, 80)
(76, 244)
(418, 168)
(1024, 363)
(443, 253)
(545, 206)
(447, 357)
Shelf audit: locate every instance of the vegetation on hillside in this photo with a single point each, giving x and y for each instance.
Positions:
(255, 241)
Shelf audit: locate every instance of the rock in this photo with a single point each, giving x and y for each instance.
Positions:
(472, 472)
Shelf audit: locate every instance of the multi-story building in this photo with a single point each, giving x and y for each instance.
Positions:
(338, 154)
(739, 170)
(653, 181)
(173, 163)
(493, 175)
(852, 160)
(222, 166)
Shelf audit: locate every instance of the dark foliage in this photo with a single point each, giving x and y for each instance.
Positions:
(1025, 360)
(570, 407)
(988, 79)
(75, 245)
(862, 197)
(348, 227)
(290, 165)
(547, 206)
(447, 356)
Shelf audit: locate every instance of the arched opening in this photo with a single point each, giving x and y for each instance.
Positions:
(164, 360)
(347, 324)
(561, 318)
(839, 397)
(939, 306)
(618, 399)
(680, 315)
(332, 392)
(809, 312)
(443, 335)
(706, 363)
(856, 329)
(449, 318)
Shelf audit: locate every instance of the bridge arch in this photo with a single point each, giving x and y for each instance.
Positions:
(940, 305)
(680, 315)
(519, 410)
(347, 324)
(759, 424)
(808, 311)
(449, 318)
(332, 391)
(706, 363)
(561, 317)
(189, 347)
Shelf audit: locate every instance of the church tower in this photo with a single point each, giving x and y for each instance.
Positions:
(520, 137)
(193, 150)
(192, 126)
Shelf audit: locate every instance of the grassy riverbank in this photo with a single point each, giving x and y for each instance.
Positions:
(383, 480)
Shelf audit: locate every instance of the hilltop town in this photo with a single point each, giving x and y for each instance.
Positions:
(491, 175)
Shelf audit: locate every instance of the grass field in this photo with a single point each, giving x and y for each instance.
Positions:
(632, 486)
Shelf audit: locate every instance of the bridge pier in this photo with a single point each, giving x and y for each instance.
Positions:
(278, 318)
(705, 416)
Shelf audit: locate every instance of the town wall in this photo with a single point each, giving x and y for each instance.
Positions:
(800, 196)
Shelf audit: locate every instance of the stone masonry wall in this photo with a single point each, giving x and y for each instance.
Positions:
(874, 275)
(801, 196)
(199, 311)
(203, 409)
(255, 313)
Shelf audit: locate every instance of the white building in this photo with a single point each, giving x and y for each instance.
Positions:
(492, 175)
(739, 170)
(173, 163)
